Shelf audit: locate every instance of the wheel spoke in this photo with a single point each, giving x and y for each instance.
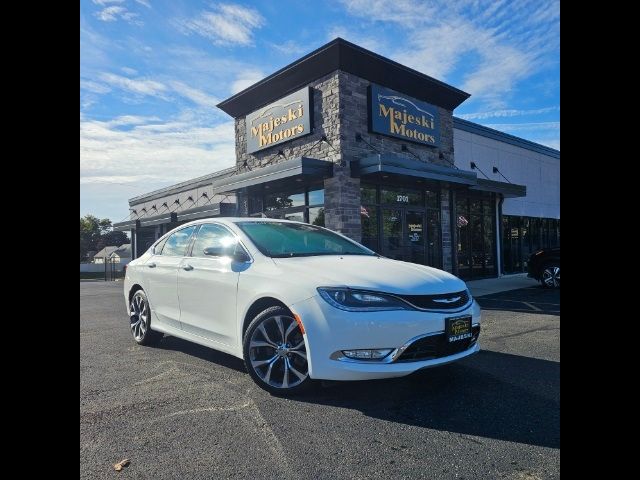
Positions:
(300, 354)
(298, 346)
(280, 328)
(259, 363)
(267, 376)
(291, 328)
(285, 375)
(260, 343)
(135, 324)
(295, 372)
(266, 337)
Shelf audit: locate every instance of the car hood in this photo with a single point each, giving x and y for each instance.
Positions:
(370, 273)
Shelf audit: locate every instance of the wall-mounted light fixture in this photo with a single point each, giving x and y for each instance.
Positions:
(474, 166)
(405, 149)
(495, 170)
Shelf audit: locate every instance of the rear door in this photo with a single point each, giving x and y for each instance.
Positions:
(161, 277)
(208, 286)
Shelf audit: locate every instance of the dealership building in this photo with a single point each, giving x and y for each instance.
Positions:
(360, 144)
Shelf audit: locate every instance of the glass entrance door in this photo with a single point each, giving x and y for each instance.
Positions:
(403, 234)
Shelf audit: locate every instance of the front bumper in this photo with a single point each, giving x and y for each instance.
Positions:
(330, 330)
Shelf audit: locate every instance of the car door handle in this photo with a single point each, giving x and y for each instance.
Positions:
(187, 267)
(151, 265)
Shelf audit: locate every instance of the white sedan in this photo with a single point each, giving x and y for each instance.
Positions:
(298, 302)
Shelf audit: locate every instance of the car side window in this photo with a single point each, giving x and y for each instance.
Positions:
(157, 250)
(177, 243)
(213, 237)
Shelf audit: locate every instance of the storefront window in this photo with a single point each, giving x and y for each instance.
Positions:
(316, 197)
(368, 194)
(278, 201)
(401, 196)
(525, 236)
(316, 216)
(475, 220)
(369, 220)
(432, 199)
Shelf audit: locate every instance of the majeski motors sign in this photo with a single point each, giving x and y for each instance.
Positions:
(286, 119)
(401, 116)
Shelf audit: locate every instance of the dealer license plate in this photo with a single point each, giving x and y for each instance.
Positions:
(458, 328)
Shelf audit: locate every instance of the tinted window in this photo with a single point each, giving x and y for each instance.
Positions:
(177, 242)
(298, 240)
(215, 236)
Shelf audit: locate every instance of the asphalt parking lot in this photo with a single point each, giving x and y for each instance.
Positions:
(180, 410)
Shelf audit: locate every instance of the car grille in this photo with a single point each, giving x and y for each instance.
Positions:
(430, 302)
(436, 346)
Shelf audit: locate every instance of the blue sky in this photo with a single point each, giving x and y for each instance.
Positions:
(152, 71)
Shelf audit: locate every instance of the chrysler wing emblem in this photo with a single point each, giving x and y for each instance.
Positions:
(447, 300)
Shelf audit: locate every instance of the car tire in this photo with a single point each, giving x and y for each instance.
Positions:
(550, 275)
(140, 320)
(275, 353)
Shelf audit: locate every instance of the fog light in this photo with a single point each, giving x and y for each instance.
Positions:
(373, 354)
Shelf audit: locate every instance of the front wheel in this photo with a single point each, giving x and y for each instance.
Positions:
(550, 277)
(275, 354)
(140, 320)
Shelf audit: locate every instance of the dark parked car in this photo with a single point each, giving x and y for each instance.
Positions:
(544, 266)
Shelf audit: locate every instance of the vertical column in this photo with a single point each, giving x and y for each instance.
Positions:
(445, 226)
(342, 203)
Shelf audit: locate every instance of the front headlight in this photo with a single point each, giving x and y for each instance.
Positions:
(359, 300)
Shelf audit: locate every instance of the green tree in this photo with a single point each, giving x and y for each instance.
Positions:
(97, 233)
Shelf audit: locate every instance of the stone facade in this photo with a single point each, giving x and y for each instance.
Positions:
(340, 111)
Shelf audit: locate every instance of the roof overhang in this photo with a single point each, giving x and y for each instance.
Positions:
(348, 57)
(300, 170)
(126, 225)
(403, 167)
(161, 219)
(205, 211)
(508, 190)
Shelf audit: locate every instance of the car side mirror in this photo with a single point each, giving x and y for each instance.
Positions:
(217, 251)
(241, 256)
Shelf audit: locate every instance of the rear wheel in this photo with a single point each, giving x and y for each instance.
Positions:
(140, 320)
(275, 354)
(550, 277)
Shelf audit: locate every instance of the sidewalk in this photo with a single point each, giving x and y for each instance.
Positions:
(502, 284)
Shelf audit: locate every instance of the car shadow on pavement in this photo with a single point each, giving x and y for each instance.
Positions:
(493, 395)
(536, 300)
(169, 342)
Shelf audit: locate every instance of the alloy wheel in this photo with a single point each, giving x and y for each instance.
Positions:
(277, 352)
(139, 317)
(551, 276)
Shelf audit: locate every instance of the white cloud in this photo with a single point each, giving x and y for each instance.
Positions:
(106, 2)
(246, 79)
(365, 41)
(195, 95)
(230, 24)
(492, 44)
(129, 71)
(183, 150)
(112, 13)
(94, 87)
(137, 86)
(290, 47)
(506, 113)
(144, 2)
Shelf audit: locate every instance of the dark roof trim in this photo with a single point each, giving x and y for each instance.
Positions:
(204, 211)
(158, 219)
(202, 181)
(126, 225)
(483, 131)
(307, 167)
(342, 55)
(395, 164)
(509, 190)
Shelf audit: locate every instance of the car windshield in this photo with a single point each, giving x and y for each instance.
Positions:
(283, 240)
